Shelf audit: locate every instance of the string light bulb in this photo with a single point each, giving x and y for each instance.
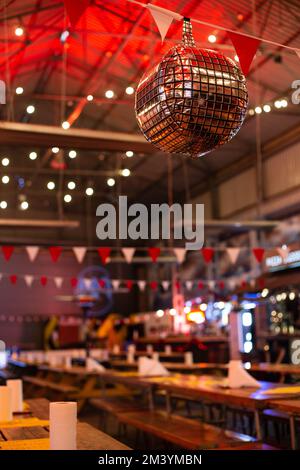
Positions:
(258, 110)
(111, 182)
(5, 179)
(67, 198)
(71, 185)
(125, 172)
(129, 90)
(33, 155)
(65, 125)
(30, 109)
(24, 205)
(129, 153)
(5, 161)
(19, 90)
(50, 185)
(267, 108)
(19, 31)
(3, 204)
(72, 154)
(89, 191)
(55, 149)
(109, 94)
(89, 97)
(212, 38)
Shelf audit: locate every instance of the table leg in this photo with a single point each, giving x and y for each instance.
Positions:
(151, 399)
(293, 432)
(168, 403)
(257, 425)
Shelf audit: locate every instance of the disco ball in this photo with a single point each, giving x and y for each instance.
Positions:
(193, 101)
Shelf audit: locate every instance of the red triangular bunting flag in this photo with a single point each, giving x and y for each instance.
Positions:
(129, 284)
(207, 254)
(104, 253)
(13, 278)
(43, 280)
(74, 282)
(7, 251)
(221, 284)
(101, 283)
(153, 285)
(200, 285)
(154, 253)
(75, 9)
(55, 252)
(259, 254)
(245, 48)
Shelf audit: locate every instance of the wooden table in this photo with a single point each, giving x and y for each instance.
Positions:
(292, 407)
(198, 388)
(88, 438)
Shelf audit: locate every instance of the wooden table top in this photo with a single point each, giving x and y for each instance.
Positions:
(163, 354)
(288, 406)
(214, 389)
(88, 438)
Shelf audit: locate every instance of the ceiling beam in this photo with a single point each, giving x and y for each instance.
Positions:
(35, 135)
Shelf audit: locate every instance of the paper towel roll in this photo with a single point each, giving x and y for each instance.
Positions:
(6, 413)
(188, 358)
(63, 425)
(130, 357)
(16, 387)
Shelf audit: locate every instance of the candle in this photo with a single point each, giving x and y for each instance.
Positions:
(63, 424)
(5, 404)
(16, 387)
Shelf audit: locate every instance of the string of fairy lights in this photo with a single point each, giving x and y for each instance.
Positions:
(51, 184)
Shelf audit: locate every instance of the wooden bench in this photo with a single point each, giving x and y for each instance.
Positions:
(183, 432)
(116, 405)
(62, 389)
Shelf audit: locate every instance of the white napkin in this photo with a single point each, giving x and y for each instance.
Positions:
(151, 367)
(238, 377)
(94, 366)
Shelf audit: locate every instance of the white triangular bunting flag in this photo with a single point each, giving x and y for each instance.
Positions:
(115, 283)
(180, 254)
(231, 284)
(211, 284)
(88, 283)
(58, 282)
(128, 254)
(28, 280)
(189, 285)
(32, 252)
(283, 252)
(141, 285)
(163, 19)
(298, 52)
(233, 254)
(165, 284)
(252, 282)
(79, 252)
